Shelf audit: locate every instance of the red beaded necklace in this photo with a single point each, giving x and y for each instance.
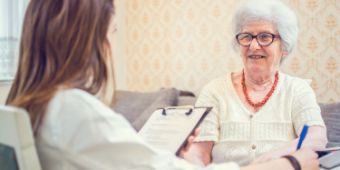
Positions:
(264, 101)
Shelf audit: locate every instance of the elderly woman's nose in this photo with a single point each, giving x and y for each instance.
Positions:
(254, 45)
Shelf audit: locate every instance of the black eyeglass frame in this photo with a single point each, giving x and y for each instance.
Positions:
(274, 36)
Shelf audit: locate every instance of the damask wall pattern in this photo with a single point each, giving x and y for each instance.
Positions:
(187, 43)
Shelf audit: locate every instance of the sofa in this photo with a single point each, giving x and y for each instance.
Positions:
(136, 107)
(331, 116)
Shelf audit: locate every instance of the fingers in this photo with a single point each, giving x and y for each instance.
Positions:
(182, 154)
(196, 132)
(190, 141)
(307, 158)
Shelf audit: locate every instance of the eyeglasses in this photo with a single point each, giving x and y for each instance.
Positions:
(263, 39)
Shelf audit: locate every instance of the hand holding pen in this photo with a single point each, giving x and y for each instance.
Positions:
(292, 159)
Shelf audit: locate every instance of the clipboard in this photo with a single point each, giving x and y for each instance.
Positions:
(330, 161)
(326, 151)
(168, 128)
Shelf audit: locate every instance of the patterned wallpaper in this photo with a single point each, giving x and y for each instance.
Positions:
(187, 43)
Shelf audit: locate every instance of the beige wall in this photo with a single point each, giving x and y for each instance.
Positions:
(186, 43)
(118, 43)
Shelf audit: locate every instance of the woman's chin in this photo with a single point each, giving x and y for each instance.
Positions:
(256, 70)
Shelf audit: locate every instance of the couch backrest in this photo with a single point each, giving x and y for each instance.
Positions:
(331, 116)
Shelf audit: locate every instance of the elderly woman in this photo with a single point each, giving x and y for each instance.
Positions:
(258, 112)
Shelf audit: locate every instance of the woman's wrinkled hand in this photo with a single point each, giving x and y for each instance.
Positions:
(307, 158)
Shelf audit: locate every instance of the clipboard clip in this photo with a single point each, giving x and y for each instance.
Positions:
(171, 108)
(163, 111)
(188, 112)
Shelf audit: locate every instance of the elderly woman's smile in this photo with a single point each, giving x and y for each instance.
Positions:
(260, 47)
(255, 57)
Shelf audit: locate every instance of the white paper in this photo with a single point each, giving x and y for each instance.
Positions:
(170, 131)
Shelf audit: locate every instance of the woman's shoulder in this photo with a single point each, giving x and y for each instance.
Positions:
(295, 79)
(75, 115)
(217, 87)
(74, 92)
(72, 96)
(75, 101)
(218, 82)
(295, 82)
(72, 108)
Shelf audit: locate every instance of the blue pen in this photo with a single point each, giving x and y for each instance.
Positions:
(302, 136)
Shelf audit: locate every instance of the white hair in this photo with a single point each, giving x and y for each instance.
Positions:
(273, 11)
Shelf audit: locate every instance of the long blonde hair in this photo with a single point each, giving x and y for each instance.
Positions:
(63, 45)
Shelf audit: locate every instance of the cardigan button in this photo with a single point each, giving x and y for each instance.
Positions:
(253, 147)
(251, 116)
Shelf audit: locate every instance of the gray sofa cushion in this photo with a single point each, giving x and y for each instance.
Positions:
(331, 116)
(186, 100)
(137, 107)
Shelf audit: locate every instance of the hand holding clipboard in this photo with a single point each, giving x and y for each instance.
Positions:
(169, 128)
